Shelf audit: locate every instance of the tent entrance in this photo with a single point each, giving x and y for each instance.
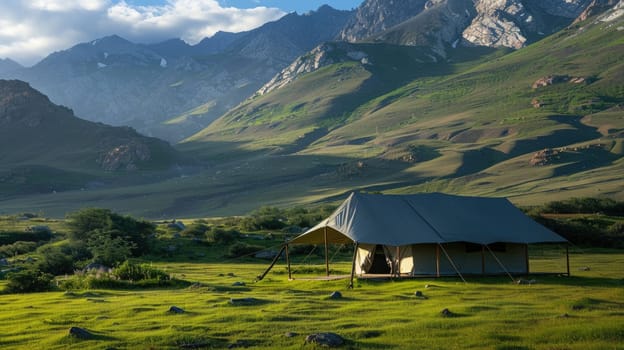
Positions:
(380, 264)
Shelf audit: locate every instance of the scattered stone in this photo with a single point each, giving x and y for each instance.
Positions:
(238, 284)
(447, 313)
(325, 339)
(4, 262)
(420, 295)
(238, 344)
(96, 267)
(584, 268)
(176, 310)
(427, 286)
(80, 333)
(335, 295)
(564, 316)
(536, 103)
(550, 80)
(39, 229)
(220, 275)
(231, 274)
(521, 281)
(291, 334)
(244, 301)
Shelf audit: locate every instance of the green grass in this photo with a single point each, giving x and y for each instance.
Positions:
(584, 311)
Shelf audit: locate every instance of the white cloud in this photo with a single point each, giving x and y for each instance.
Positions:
(31, 29)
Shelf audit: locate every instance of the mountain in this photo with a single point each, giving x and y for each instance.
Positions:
(542, 120)
(157, 88)
(46, 148)
(444, 23)
(8, 65)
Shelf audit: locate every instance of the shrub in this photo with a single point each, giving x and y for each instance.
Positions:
(10, 237)
(93, 221)
(19, 247)
(109, 251)
(137, 272)
(222, 236)
(240, 249)
(195, 230)
(56, 260)
(28, 281)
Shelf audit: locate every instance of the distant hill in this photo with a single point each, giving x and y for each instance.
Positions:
(46, 148)
(157, 88)
(7, 65)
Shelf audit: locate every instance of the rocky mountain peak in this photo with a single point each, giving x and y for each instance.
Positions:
(493, 23)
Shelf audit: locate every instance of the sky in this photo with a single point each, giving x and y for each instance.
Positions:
(32, 29)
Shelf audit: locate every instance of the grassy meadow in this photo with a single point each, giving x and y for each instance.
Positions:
(584, 311)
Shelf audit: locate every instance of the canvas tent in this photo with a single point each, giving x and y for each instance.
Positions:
(431, 234)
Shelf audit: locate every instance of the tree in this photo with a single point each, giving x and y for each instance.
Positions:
(28, 281)
(109, 251)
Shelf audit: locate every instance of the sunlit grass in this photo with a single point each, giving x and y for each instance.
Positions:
(584, 311)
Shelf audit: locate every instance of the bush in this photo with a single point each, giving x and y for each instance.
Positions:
(136, 272)
(222, 236)
(197, 230)
(109, 251)
(85, 223)
(10, 237)
(240, 249)
(19, 247)
(28, 281)
(56, 260)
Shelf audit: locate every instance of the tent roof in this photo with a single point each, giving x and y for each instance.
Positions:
(426, 218)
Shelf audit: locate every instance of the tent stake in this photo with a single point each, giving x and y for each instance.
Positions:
(568, 259)
(526, 258)
(288, 263)
(326, 251)
(353, 265)
(500, 263)
(482, 260)
(260, 277)
(452, 263)
(438, 260)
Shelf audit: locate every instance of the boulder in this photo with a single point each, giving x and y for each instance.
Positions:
(325, 339)
(176, 310)
(80, 333)
(244, 301)
(446, 313)
(335, 295)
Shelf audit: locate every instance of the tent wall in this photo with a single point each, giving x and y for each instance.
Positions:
(421, 259)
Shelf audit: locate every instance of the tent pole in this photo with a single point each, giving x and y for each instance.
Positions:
(260, 277)
(438, 260)
(452, 263)
(482, 259)
(288, 263)
(326, 251)
(500, 263)
(398, 264)
(353, 265)
(526, 258)
(568, 258)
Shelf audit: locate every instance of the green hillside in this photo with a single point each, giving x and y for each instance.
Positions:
(470, 124)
